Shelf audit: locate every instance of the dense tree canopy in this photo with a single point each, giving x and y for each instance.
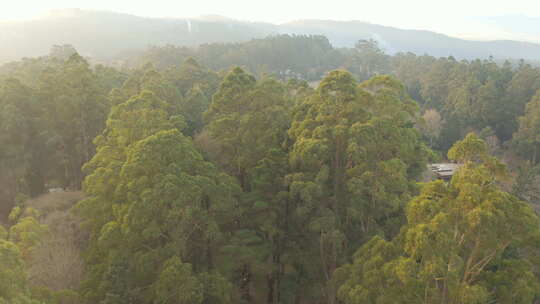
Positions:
(527, 138)
(460, 244)
(355, 151)
(251, 185)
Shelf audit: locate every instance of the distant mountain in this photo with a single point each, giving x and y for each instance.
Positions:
(420, 42)
(102, 35)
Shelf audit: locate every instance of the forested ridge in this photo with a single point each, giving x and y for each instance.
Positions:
(106, 35)
(278, 170)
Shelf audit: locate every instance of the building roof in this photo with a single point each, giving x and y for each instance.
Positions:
(444, 170)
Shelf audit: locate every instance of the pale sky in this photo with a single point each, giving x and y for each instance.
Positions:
(454, 17)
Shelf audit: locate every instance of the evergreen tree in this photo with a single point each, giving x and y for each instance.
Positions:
(355, 154)
(527, 138)
(459, 244)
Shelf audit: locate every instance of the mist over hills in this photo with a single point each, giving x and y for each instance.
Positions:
(395, 40)
(103, 35)
(519, 27)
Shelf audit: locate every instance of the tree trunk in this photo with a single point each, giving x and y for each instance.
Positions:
(270, 283)
(274, 277)
(209, 257)
(245, 284)
(534, 154)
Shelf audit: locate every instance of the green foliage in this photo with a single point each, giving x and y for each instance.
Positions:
(22, 299)
(76, 109)
(527, 138)
(21, 118)
(141, 116)
(167, 201)
(48, 296)
(216, 288)
(286, 56)
(13, 278)
(455, 246)
(526, 185)
(3, 233)
(469, 95)
(366, 60)
(197, 85)
(355, 154)
(290, 180)
(12, 275)
(248, 120)
(27, 233)
(176, 284)
(469, 149)
(15, 213)
(50, 110)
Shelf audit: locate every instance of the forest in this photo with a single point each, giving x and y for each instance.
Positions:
(280, 170)
(105, 34)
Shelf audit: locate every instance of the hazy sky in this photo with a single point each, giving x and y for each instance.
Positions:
(457, 17)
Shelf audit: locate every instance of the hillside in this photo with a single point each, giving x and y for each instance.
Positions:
(103, 35)
(395, 40)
